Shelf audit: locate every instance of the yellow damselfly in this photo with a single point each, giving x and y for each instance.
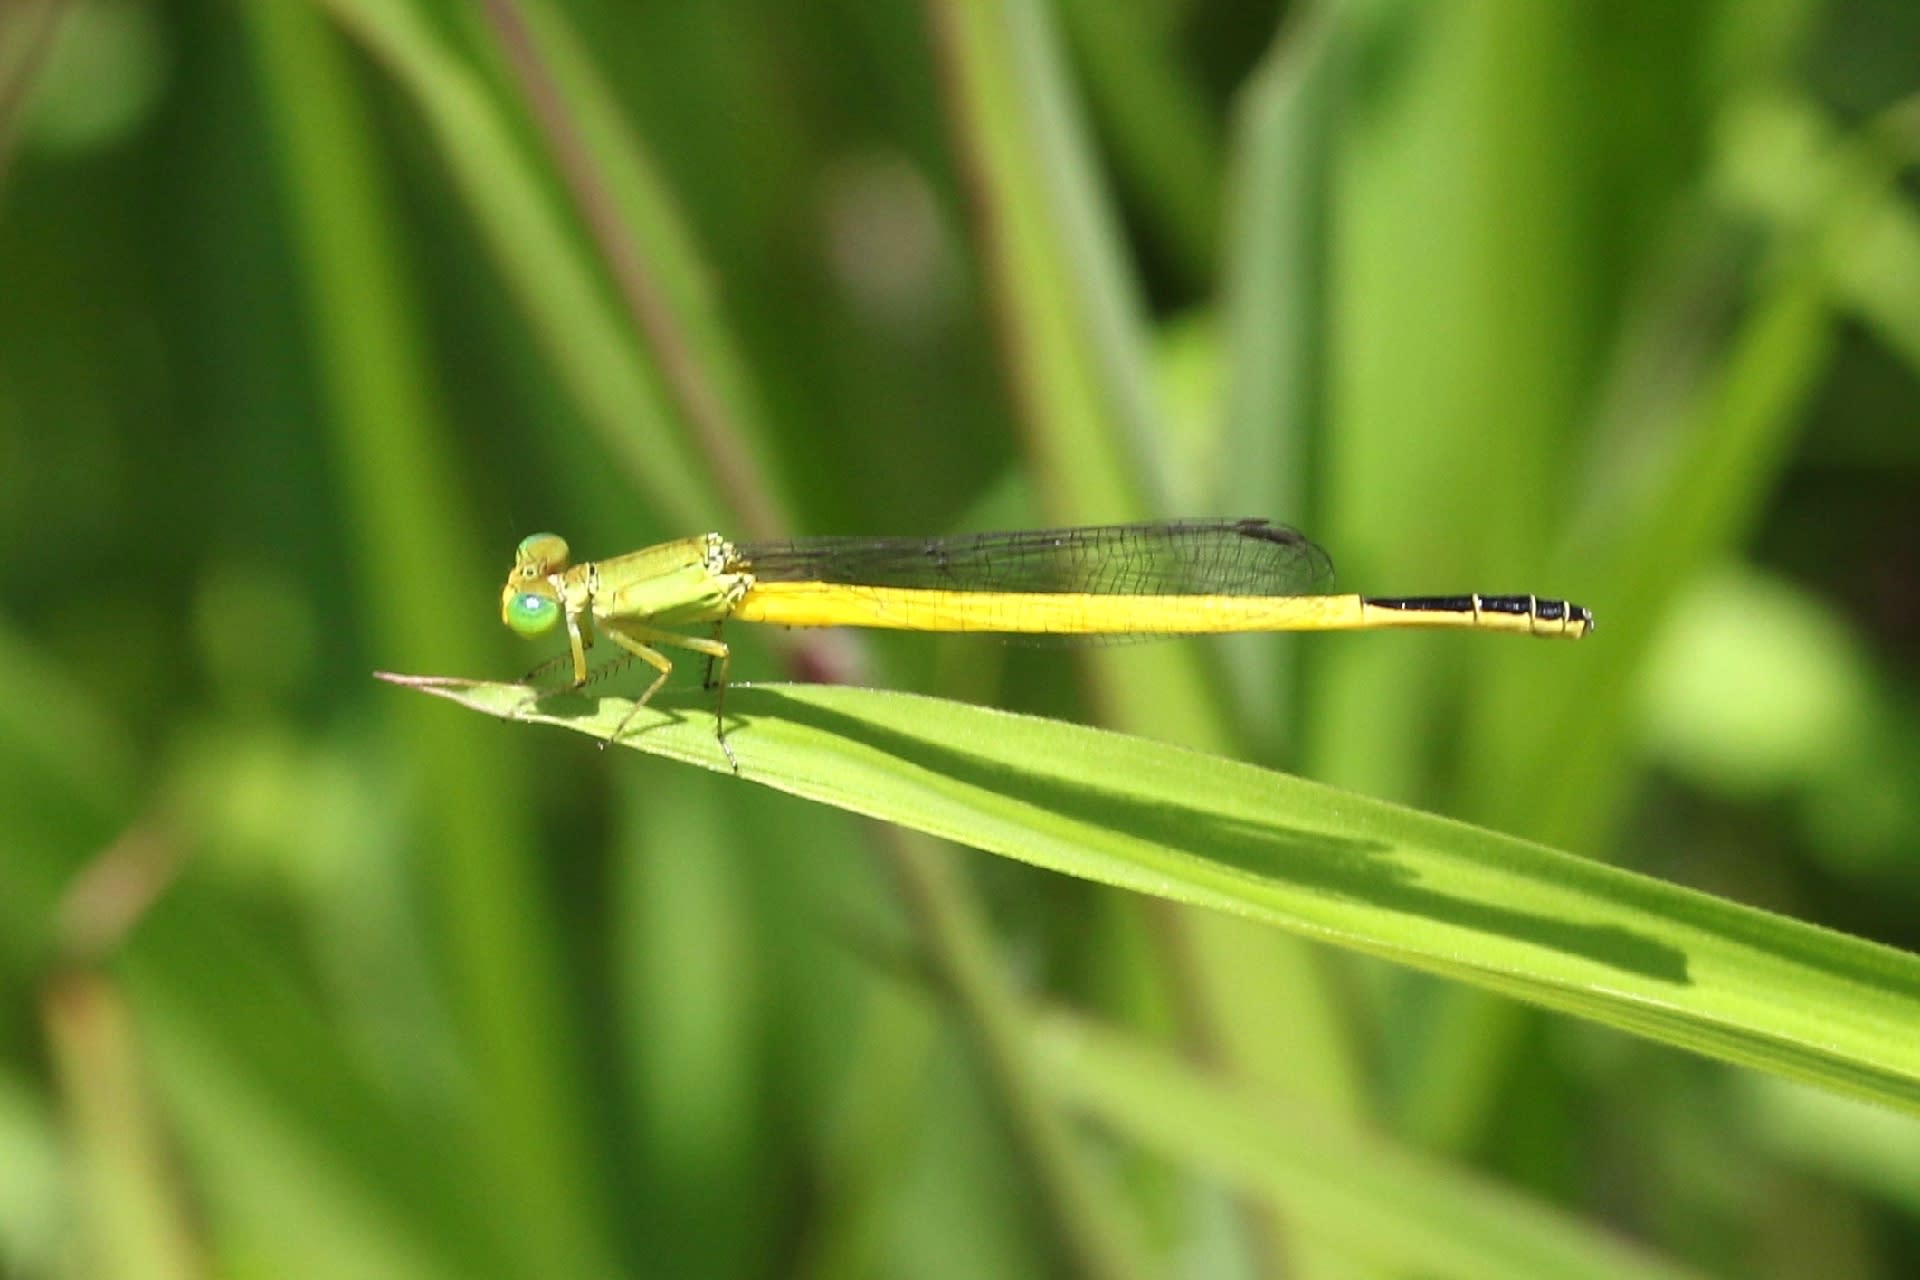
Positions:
(1169, 578)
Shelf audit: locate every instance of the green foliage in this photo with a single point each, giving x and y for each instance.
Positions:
(1514, 917)
(310, 309)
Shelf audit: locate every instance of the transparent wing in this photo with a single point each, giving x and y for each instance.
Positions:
(1229, 557)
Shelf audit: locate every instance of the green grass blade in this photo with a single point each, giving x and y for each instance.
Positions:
(1504, 914)
(1277, 318)
(1069, 314)
(648, 250)
(1364, 1196)
(1154, 113)
(568, 309)
(397, 457)
(1274, 290)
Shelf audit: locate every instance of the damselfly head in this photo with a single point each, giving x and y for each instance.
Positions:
(529, 602)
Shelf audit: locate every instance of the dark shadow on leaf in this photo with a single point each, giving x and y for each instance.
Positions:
(1341, 867)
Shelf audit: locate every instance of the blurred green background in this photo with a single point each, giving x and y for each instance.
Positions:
(310, 309)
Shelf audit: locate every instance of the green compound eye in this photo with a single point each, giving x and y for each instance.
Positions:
(531, 614)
